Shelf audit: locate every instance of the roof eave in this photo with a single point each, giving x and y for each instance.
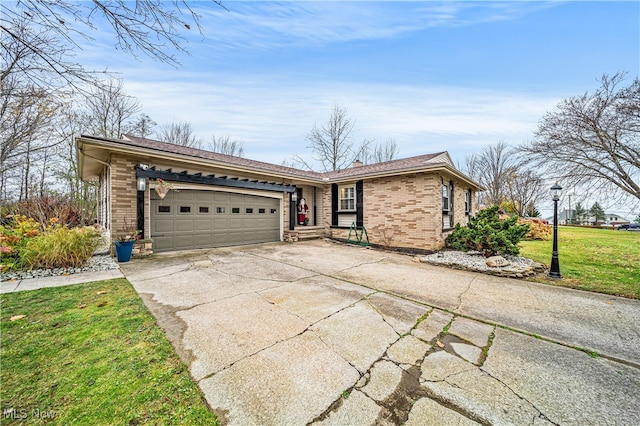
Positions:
(115, 146)
(409, 170)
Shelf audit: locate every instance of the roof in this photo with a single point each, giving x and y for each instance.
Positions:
(144, 146)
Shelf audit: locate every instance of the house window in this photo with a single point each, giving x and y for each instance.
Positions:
(467, 202)
(185, 209)
(260, 211)
(447, 205)
(220, 210)
(249, 210)
(164, 209)
(203, 209)
(347, 198)
(235, 210)
(273, 211)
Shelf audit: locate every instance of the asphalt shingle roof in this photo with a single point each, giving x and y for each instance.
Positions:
(417, 163)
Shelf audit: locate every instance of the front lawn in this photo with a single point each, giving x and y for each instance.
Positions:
(599, 260)
(91, 354)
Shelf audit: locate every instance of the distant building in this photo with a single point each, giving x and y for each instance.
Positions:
(610, 219)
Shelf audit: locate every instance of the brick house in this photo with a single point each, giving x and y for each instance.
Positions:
(217, 200)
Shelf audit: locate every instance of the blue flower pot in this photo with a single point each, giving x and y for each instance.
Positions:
(123, 250)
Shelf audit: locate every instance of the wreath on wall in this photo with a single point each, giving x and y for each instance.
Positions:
(162, 188)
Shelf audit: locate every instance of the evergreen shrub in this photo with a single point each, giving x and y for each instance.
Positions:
(489, 234)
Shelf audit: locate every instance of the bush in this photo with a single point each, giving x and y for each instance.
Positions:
(489, 234)
(538, 230)
(14, 234)
(62, 208)
(24, 243)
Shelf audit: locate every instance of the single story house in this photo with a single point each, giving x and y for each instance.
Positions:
(185, 198)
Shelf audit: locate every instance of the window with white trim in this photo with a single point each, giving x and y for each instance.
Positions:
(447, 205)
(347, 198)
(467, 203)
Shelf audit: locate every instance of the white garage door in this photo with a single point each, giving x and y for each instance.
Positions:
(189, 219)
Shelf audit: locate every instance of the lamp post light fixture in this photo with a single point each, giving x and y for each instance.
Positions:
(141, 184)
(554, 271)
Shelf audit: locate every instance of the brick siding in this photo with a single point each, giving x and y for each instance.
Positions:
(403, 212)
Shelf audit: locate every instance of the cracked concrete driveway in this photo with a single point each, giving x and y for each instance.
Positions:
(323, 333)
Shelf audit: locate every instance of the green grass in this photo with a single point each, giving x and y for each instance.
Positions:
(83, 357)
(599, 260)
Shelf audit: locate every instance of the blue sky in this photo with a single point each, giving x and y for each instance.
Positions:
(433, 76)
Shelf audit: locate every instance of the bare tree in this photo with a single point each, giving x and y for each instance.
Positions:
(224, 145)
(380, 153)
(490, 168)
(25, 118)
(143, 126)
(111, 109)
(523, 189)
(593, 139)
(332, 144)
(152, 28)
(180, 133)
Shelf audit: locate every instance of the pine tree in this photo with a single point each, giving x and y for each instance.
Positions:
(578, 214)
(597, 211)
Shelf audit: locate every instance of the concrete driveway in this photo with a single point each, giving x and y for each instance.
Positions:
(323, 333)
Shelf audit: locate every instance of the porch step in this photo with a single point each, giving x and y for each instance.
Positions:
(308, 232)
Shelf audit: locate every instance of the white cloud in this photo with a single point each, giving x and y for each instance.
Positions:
(272, 25)
(273, 120)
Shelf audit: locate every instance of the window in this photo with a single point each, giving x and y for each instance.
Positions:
(203, 209)
(273, 211)
(261, 211)
(164, 209)
(235, 210)
(447, 205)
(445, 197)
(467, 202)
(348, 197)
(220, 210)
(185, 209)
(248, 210)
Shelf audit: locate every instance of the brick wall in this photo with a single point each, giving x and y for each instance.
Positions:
(123, 195)
(403, 212)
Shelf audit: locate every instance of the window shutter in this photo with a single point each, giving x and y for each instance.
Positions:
(359, 203)
(334, 204)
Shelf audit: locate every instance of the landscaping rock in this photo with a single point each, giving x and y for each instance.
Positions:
(95, 263)
(497, 262)
(516, 267)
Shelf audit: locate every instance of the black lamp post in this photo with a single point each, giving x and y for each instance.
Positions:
(554, 271)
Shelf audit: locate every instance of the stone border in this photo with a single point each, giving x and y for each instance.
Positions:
(518, 267)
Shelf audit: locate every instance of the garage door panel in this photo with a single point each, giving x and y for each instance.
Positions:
(203, 225)
(235, 237)
(162, 243)
(221, 222)
(220, 196)
(204, 240)
(236, 198)
(164, 225)
(184, 241)
(183, 195)
(235, 224)
(184, 225)
(198, 219)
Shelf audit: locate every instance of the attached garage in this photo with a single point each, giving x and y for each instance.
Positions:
(191, 219)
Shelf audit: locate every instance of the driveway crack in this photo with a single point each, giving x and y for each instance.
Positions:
(540, 413)
(460, 298)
